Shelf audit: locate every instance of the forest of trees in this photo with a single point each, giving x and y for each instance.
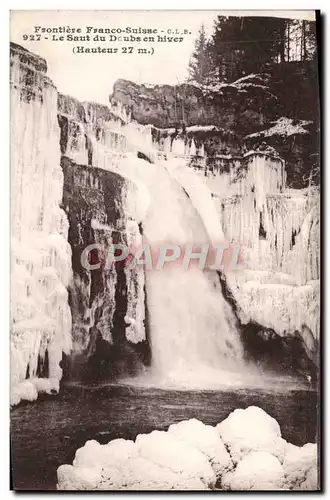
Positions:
(243, 45)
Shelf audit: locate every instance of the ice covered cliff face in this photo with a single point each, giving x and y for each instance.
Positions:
(279, 230)
(41, 256)
(91, 134)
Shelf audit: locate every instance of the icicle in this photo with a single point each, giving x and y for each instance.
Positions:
(178, 147)
(167, 144)
(193, 148)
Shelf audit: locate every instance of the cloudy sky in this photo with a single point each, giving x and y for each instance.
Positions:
(91, 76)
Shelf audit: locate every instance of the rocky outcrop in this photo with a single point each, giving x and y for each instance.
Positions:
(170, 106)
(230, 119)
(108, 303)
(245, 452)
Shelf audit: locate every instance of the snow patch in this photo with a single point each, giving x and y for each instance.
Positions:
(284, 127)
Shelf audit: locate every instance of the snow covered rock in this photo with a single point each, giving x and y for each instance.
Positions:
(180, 457)
(249, 430)
(23, 390)
(207, 440)
(78, 478)
(283, 127)
(300, 467)
(118, 466)
(139, 473)
(191, 456)
(281, 307)
(256, 471)
(109, 454)
(157, 461)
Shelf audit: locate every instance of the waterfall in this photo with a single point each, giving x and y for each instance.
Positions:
(193, 332)
(194, 340)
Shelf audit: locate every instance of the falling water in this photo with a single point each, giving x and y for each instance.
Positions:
(193, 332)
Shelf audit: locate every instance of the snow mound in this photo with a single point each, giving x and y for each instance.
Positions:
(28, 390)
(249, 455)
(23, 390)
(141, 474)
(300, 467)
(166, 450)
(78, 478)
(207, 440)
(113, 453)
(249, 430)
(257, 471)
(167, 465)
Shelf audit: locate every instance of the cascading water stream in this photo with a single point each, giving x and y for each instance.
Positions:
(193, 333)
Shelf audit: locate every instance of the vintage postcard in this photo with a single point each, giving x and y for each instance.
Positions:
(165, 250)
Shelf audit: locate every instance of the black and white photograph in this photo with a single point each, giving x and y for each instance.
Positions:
(165, 181)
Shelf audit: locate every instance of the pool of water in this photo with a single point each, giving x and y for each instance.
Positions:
(46, 433)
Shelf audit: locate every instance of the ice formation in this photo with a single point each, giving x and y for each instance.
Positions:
(242, 199)
(279, 233)
(243, 452)
(41, 258)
